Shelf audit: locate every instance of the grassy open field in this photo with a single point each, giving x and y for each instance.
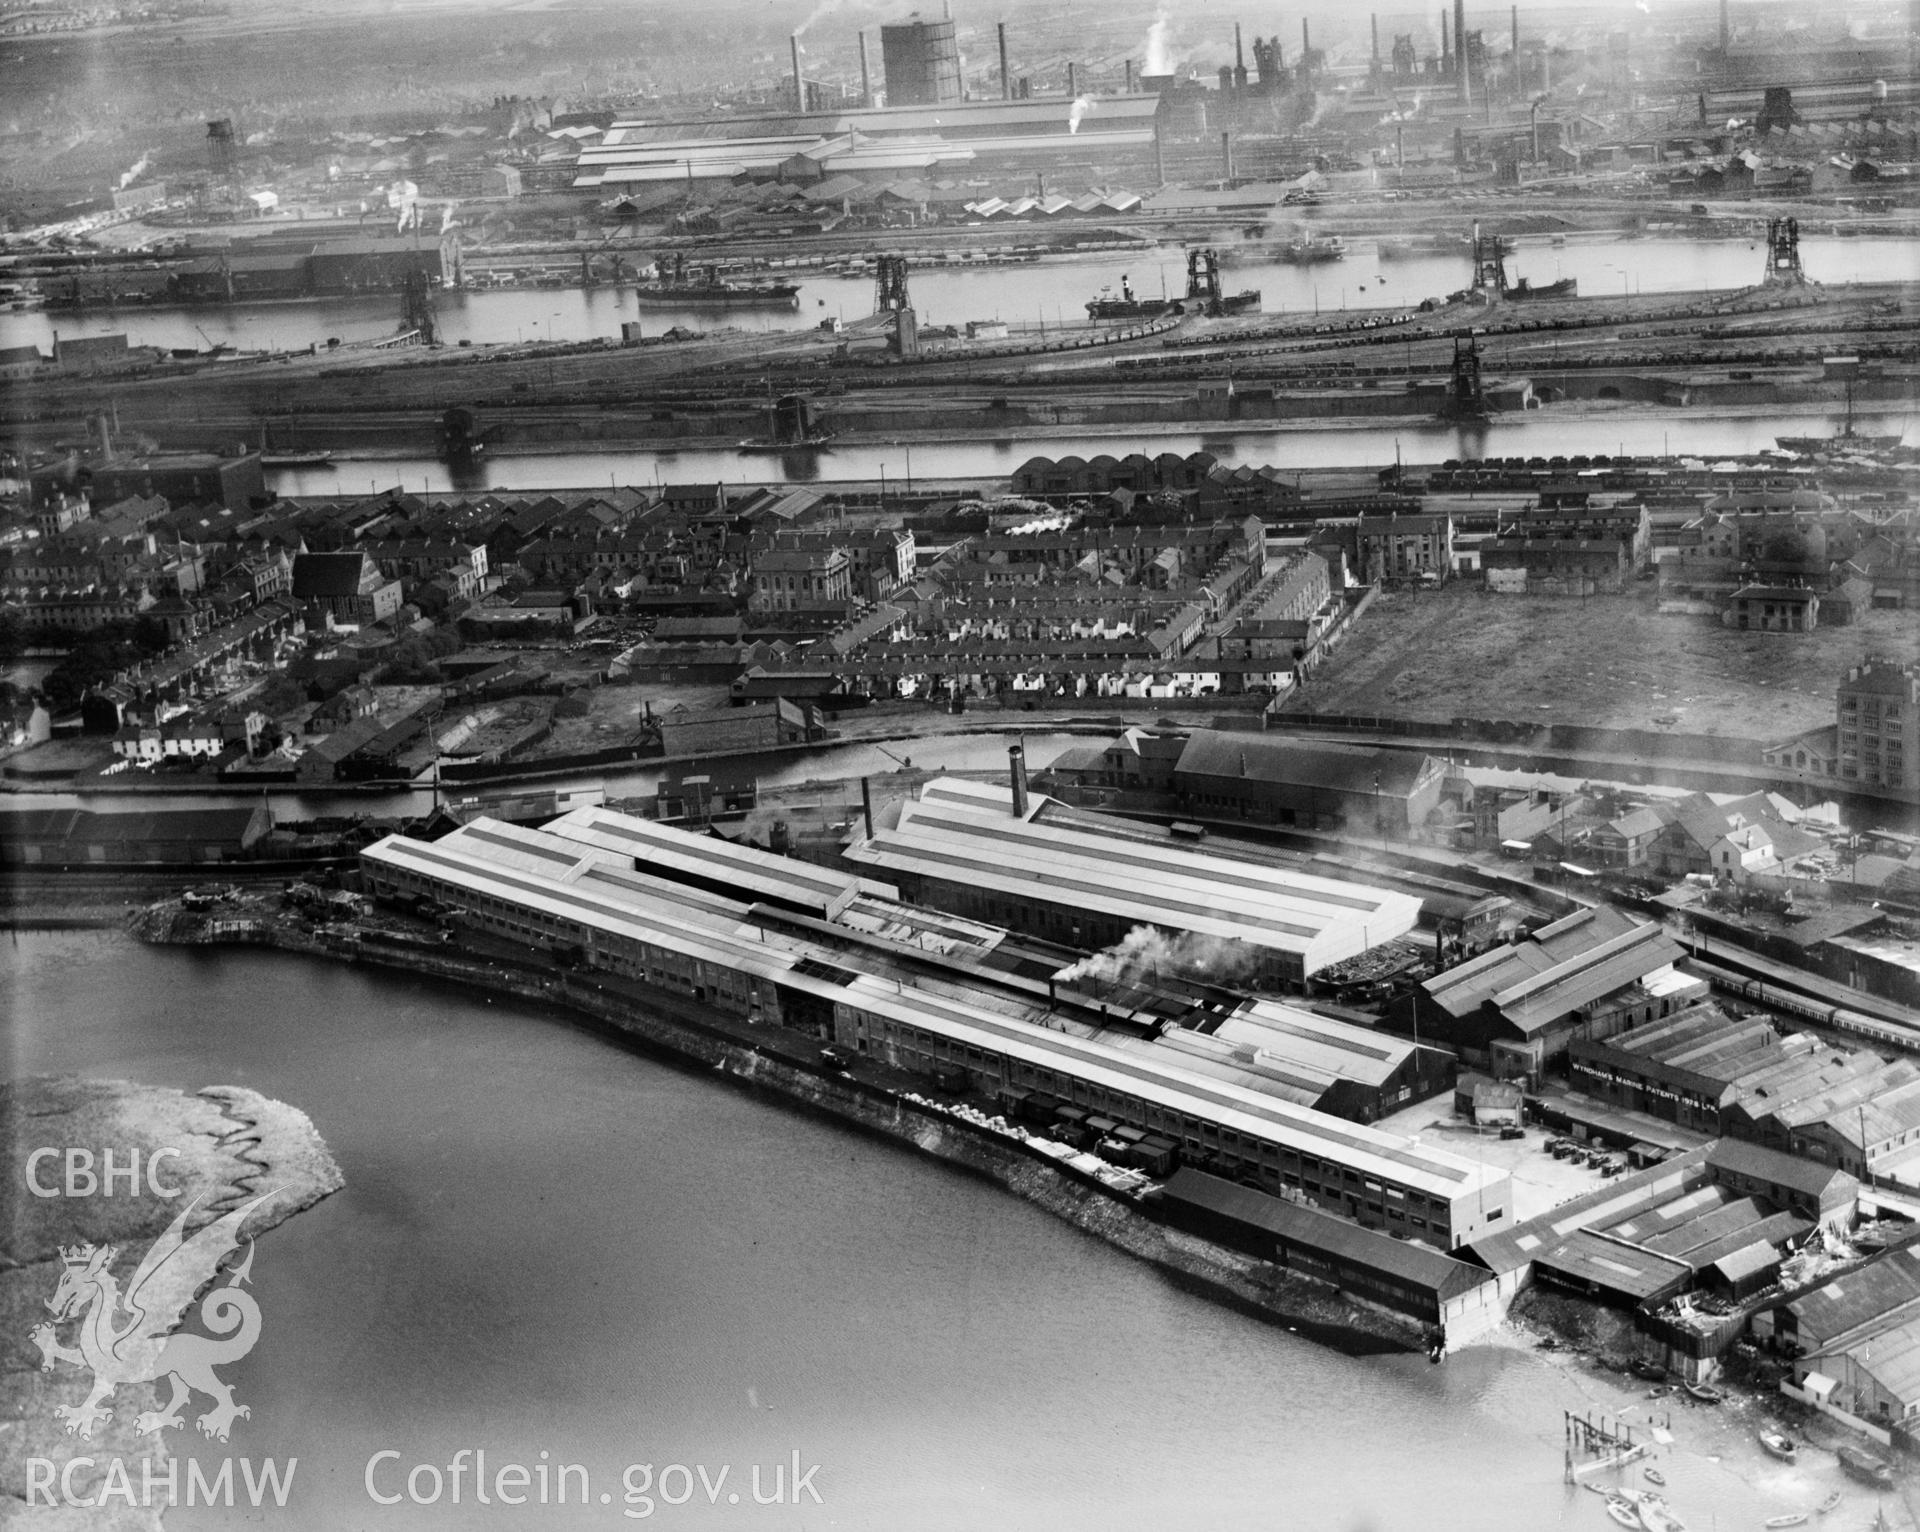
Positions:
(1609, 661)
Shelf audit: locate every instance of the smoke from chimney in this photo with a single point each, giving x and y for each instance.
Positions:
(1146, 953)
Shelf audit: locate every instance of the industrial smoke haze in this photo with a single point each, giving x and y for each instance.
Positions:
(1081, 106)
(1146, 953)
(820, 12)
(1041, 524)
(1159, 55)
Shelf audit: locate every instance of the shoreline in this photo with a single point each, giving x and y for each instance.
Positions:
(227, 1144)
(1252, 1286)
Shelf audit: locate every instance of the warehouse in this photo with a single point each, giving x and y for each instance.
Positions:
(80, 838)
(1031, 865)
(1385, 793)
(1376, 1269)
(1592, 974)
(1686, 1067)
(908, 987)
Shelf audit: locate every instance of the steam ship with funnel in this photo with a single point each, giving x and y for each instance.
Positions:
(1308, 251)
(1204, 295)
(1128, 305)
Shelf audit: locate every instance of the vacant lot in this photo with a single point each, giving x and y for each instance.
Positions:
(1609, 661)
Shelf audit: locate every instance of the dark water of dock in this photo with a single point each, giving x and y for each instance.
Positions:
(548, 1243)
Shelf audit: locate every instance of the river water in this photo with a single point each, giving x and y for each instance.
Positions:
(1617, 431)
(548, 1243)
(1048, 291)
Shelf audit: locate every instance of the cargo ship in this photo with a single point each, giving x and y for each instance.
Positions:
(1128, 305)
(1566, 287)
(1308, 251)
(677, 287)
(1846, 439)
(726, 295)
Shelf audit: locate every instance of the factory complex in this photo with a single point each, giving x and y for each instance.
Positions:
(1147, 1075)
(1043, 870)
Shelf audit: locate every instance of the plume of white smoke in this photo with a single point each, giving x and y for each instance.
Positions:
(1041, 524)
(821, 11)
(127, 178)
(1159, 55)
(1081, 106)
(1146, 953)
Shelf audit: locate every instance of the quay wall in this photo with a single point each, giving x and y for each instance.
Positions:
(1252, 1285)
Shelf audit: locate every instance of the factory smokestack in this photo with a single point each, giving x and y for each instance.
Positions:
(1017, 760)
(1073, 89)
(1306, 45)
(799, 84)
(866, 804)
(1726, 27)
(1006, 80)
(1159, 158)
(1460, 52)
(1446, 57)
(1375, 19)
(1516, 37)
(1226, 155)
(1129, 64)
(866, 79)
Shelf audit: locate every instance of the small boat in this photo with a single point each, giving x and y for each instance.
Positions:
(1864, 1466)
(1791, 1519)
(1654, 1515)
(1624, 1514)
(1653, 1476)
(1653, 1372)
(1779, 1445)
(1704, 1393)
(1828, 1504)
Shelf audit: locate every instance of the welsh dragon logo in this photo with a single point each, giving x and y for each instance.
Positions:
(129, 1337)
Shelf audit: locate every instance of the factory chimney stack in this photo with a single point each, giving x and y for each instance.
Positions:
(1446, 58)
(799, 83)
(1462, 66)
(866, 804)
(1129, 64)
(1226, 155)
(1073, 89)
(1375, 19)
(1006, 80)
(866, 79)
(1017, 760)
(1726, 27)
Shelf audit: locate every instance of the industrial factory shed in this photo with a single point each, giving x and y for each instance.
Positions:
(1401, 1276)
(1314, 786)
(1592, 974)
(963, 846)
(82, 838)
(906, 987)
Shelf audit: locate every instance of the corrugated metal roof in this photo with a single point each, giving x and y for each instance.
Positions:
(1586, 1257)
(708, 928)
(1405, 1260)
(963, 831)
